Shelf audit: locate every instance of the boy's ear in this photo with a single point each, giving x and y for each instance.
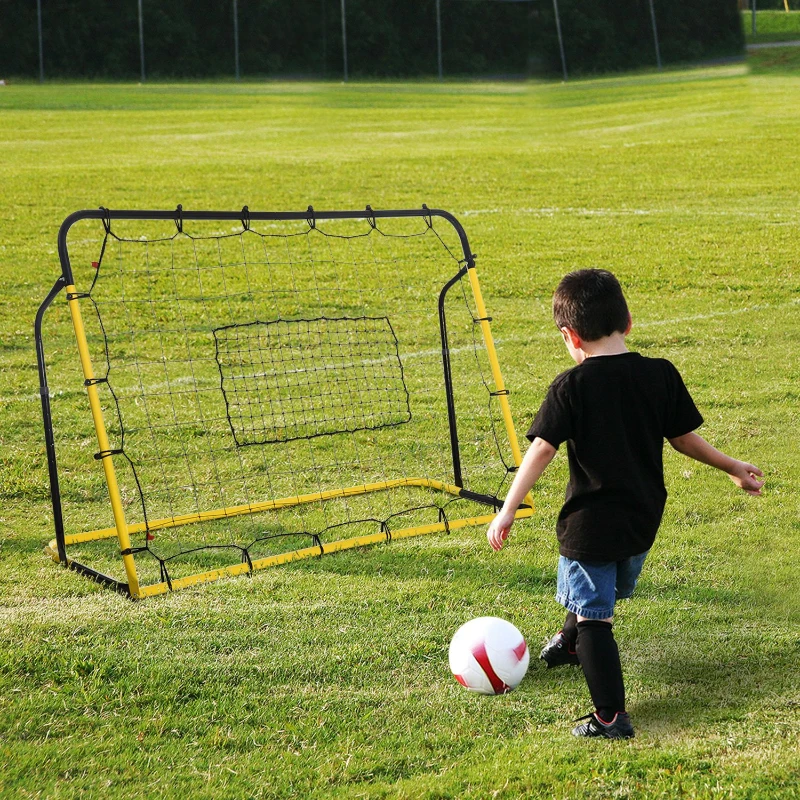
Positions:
(572, 337)
(630, 324)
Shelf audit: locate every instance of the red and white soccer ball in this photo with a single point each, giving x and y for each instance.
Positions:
(489, 655)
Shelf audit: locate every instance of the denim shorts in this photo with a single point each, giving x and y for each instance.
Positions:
(590, 589)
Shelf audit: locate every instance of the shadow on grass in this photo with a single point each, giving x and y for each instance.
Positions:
(438, 564)
(689, 675)
(714, 683)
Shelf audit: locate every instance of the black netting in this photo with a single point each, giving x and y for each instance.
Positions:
(296, 379)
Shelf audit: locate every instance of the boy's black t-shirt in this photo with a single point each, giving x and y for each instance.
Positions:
(614, 413)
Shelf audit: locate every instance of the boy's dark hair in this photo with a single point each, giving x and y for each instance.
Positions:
(590, 301)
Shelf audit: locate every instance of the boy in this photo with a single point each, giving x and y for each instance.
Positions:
(614, 410)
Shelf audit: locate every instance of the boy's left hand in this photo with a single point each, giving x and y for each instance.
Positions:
(745, 476)
(499, 528)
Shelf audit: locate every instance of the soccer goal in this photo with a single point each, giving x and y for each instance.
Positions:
(250, 389)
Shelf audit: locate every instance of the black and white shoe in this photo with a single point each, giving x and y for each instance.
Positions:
(556, 652)
(619, 728)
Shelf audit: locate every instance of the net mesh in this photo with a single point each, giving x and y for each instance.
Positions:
(295, 379)
(242, 367)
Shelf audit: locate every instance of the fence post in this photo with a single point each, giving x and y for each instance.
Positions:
(344, 40)
(655, 33)
(439, 36)
(41, 48)
(141, 42)
(324, 40)
(560, 40)
(236, 36)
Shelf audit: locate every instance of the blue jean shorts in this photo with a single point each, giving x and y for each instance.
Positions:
(590, 589)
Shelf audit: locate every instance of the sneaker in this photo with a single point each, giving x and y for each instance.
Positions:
(619, 728)
(556, 652)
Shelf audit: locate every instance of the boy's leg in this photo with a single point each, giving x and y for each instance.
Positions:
(570, 629)
(597, 649)
(599, 657)
(588, 590)
(628, 572)
(560, 649)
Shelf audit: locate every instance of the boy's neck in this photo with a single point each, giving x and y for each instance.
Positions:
(613, 345)
(581, 349)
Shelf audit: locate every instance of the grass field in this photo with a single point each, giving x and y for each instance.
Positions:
(771, 26)
(329, 678)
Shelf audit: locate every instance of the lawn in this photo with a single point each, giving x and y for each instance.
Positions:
(771, 26)
(328, 677)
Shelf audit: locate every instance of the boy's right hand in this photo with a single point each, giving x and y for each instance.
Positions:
(499, 528)
(745, 476)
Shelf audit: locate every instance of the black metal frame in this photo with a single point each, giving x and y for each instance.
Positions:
(49, 438)
(311, 216)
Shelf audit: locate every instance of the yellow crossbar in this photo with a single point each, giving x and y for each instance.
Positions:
(267, 505)
(310, 552)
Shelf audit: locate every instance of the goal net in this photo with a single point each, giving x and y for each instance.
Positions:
(263, 388)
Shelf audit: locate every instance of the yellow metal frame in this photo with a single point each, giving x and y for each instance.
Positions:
(122, 530)
(497, 376)
(102, 439)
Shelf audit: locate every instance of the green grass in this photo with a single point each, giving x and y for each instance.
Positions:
(771, 26)
(328, 678)
(777, 60)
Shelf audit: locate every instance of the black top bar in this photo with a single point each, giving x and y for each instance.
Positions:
(236, 216)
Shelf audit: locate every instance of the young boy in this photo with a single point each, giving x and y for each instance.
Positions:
(614, 410)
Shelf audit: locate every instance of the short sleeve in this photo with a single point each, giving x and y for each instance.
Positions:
(682, 416)
(553, 421)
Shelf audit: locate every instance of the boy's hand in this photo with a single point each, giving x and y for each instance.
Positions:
(499, 528)
(745, 476)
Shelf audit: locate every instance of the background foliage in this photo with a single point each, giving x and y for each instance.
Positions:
(194, 38)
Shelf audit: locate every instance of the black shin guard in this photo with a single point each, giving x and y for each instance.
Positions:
(599, 656)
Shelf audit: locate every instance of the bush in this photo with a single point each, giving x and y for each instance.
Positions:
(618, 34)
(386, 38)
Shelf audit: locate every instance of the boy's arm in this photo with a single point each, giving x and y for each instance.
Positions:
(539, 455)
(740, 472)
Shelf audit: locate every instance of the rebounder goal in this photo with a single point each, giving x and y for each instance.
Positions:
(250, 389)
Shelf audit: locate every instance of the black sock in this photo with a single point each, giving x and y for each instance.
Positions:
(599, 657)
(570, 630)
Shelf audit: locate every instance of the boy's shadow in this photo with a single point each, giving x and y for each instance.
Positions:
(712, 674)
(448, 566)
(703, 690)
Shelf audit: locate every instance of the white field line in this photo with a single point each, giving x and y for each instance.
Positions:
(545, 211)
(655, 323)
(714, 314)
(366, 362)
(551, 211)
(214, 382)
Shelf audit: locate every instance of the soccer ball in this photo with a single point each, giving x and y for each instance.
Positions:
(488, 655)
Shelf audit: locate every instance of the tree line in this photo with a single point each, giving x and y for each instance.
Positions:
(385, 38)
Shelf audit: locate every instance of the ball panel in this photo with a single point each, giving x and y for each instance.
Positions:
(521, 650)
(482, 657)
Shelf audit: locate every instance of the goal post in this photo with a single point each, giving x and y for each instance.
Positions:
(300, 383)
